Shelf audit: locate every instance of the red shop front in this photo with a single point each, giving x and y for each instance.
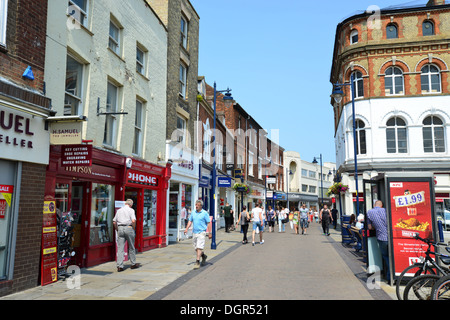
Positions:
(88, 195)
(146, 184)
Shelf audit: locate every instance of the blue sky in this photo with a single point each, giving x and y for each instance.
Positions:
(276, 57)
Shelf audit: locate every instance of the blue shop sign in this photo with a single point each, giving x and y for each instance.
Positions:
(224, 182)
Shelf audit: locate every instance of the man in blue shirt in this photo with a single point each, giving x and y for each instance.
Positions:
(377, 220)
(200, 220)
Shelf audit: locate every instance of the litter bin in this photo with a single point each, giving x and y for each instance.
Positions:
(346, 236)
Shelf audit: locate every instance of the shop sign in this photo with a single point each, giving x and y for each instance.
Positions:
(411, 214)
(224, 182)
(271, 179)
(6, 192)
(23, 137)
(76, 155)
(62, 133)
(142, 178)
(49, 254)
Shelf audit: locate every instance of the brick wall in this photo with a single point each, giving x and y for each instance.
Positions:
(25, 42)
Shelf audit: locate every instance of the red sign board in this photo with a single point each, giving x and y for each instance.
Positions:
(2, 209)
(142, 178)
(411, 213)
(49, 254)
(76, 155)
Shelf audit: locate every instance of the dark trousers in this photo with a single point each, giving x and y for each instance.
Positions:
(244, 231)
(326, 225)
(228, 223)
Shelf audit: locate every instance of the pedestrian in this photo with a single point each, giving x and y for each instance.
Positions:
(334, 213)
(325, 217)
(271, 219)
(200, 220)
(281, 217)
(124, 223)
(257, 217)
(304, 218)
(227, 213)
(377, 220)
(244, 219)
(295, 220)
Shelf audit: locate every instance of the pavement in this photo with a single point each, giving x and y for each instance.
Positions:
(164, 270)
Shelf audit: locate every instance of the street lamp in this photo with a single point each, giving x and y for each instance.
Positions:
(337, 95)
(288, 173)
(228, 101)
(321, 177)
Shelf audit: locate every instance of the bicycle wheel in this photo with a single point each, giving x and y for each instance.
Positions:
(417, 269)
(420, 287)
(441, 289)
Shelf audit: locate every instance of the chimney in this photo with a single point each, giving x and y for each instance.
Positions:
(435, 3)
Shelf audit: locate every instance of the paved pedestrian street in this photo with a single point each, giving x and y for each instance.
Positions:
(285, 267)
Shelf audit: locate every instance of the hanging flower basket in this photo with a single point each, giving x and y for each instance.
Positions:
(337, 188)
(240, 187)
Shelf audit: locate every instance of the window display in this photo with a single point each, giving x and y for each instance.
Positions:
(7, 176)
(149, 220)
(102, 213)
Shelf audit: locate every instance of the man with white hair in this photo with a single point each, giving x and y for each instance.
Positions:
(125, 224)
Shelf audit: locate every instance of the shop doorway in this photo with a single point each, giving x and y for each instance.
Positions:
(173, 216)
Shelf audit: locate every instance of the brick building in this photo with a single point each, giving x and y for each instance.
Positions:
(399, 58)
(182, 23)
(254, 153)
(24, 141)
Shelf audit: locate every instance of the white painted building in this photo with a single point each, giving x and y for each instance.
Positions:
(110, 56)
(402, 102)
(305, 183)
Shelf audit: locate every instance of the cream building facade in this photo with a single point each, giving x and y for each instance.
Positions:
(110, 56)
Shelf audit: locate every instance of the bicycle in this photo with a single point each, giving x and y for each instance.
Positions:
(441, 289)
(427, 266)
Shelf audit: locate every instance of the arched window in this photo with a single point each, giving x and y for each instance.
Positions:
(391, 31)
(393, 81)
(430, 79)
(427, 28)
(396, 136)
(433, 135)
(360, 137)
(359, 84)
(354, 37)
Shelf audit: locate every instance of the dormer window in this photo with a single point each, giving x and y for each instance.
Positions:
(428, 28)
(354, 37)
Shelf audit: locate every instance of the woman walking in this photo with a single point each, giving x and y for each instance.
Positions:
(281, 217)
(271, 219)
(325, 217)
(244, 219)
(295, 220)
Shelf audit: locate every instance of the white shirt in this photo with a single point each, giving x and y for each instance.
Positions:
(125, 216)
(256, 212)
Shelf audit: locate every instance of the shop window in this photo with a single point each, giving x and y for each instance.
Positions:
(7, 177)
(150, 205)
(102, 214)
